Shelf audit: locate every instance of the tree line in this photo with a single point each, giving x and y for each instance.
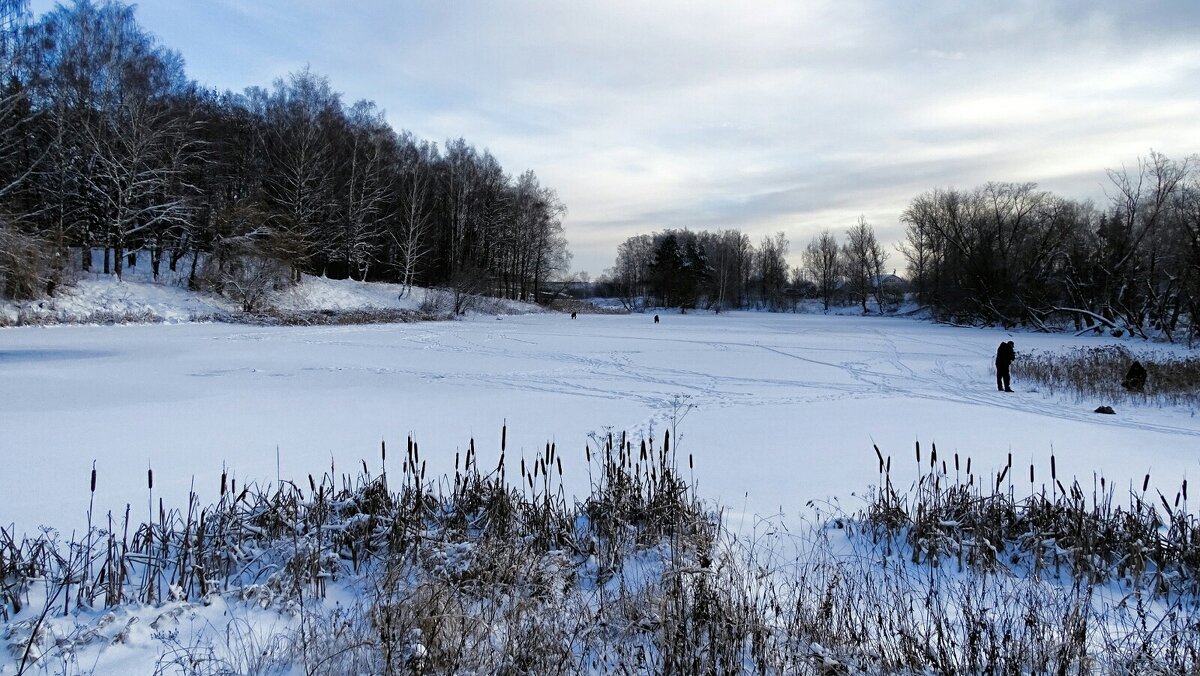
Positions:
(106, 144)
(1003, 253)
(1012, 254)
(725, 270)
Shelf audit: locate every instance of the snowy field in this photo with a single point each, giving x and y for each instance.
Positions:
(777, 410)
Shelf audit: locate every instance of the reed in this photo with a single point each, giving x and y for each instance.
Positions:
(960, 572)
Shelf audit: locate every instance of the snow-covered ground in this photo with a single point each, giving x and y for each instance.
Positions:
(98, 299)
(778, 410)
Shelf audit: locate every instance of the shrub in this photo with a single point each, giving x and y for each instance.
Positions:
(27, 269)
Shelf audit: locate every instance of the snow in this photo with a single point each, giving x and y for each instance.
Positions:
(777, 409)
(322, 293)
(97, 298)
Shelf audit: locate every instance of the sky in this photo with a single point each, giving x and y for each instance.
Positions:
(794, 116)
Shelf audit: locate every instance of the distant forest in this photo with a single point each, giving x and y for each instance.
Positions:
(106, 144)
(1003, 253)
(726, 270)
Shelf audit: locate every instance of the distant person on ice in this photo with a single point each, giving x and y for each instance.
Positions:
(1005, 355)
(1135, 378)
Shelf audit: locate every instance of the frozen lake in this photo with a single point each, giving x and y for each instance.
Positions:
(784, 407)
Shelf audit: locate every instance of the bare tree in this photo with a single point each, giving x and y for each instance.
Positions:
(366, 189)
(300, 182)
(411, 230)
(631, 273)
(137, 155)
(822, 261)
(773, 271)
(1140, 200)
(864, 261)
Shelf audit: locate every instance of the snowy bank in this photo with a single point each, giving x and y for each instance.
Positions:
(97, 298)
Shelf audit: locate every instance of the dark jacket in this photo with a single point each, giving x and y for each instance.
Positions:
(1006, 353)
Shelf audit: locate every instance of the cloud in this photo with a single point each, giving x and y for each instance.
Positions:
(937, 54)
(767, 116)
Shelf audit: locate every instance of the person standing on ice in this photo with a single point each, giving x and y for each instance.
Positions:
(1005, 355)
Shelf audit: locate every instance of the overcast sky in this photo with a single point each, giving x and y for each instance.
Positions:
(793, 116)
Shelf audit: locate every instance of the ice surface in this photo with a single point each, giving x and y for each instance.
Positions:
(784, 407)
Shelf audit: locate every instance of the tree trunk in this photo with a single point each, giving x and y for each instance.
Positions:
(155, 260)
(192, 272)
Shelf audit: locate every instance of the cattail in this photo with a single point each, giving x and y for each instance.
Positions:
(690, 464)
(503, 435)
(456, 461)
(1031, 472)
(522, 466)
(1185, 489)
(933, 456)
(558, 461)
(587, 453)
(667, 442)
(918, 452)
(224, 477)
(879, 455)
(149, 478)
(92, 484)
(1053, 469)
(364, 464)
(383, 451)
(312, 485)
(1146, 482)
(956, 461)
(968, 465)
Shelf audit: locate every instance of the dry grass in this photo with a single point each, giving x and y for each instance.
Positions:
(583, 307)
(493, 570)
(1096, 374)
(276, 317)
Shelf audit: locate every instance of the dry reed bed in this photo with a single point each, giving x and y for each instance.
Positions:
(495, 570)
(1096, 373)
